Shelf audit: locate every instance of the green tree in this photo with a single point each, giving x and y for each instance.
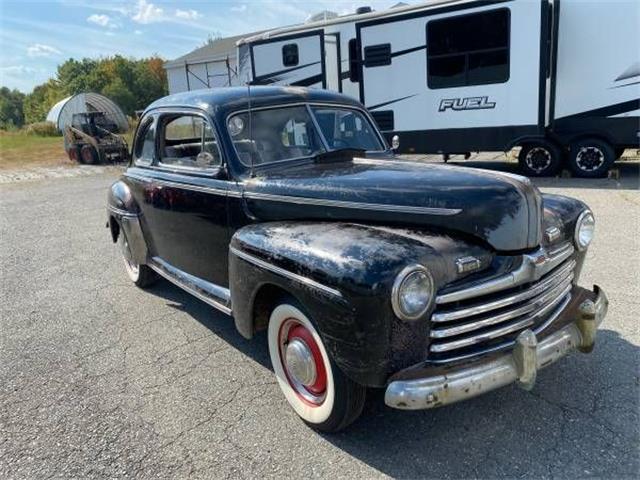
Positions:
(11, 113)
(120, 94)
(37, 104)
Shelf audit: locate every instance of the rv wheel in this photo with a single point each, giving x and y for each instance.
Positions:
(591, 158)
(540, 159)
(88, 155)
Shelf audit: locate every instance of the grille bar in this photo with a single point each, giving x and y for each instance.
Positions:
(540, 302)
(499, 332)
(552, 281)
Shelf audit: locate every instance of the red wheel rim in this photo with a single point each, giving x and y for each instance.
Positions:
(312, 393)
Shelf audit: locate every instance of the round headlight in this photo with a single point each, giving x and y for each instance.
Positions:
(585, 229)
(412, 292)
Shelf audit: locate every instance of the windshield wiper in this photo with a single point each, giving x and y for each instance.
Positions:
(345, 154)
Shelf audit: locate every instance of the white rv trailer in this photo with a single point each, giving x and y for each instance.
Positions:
(561, 78)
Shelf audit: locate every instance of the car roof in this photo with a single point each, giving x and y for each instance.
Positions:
(221, 101)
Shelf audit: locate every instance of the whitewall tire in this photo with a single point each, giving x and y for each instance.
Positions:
(311, 382)
(141, 275)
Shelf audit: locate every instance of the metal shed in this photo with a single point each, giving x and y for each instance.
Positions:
(62, 112)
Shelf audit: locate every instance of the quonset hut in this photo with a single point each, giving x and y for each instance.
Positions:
(62, 112)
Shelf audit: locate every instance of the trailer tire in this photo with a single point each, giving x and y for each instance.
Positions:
(540, 158)
(591, 158)
(88, 155)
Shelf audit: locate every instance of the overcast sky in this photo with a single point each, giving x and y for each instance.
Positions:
(35, 36)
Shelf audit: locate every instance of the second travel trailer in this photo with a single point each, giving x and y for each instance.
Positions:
(559, 78)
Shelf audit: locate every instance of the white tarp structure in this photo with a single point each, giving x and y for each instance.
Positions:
(62, 112)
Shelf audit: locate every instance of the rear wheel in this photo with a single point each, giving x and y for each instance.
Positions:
(89, 155)
(591, 158)
(310, 380)
(540, 158)
(141, 275)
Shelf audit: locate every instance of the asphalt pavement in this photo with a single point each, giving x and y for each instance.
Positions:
(101, 379)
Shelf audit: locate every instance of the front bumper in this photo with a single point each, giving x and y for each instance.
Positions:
(528, 356)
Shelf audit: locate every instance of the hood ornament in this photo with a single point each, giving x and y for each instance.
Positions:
(468, 264)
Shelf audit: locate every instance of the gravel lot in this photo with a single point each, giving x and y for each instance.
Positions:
(100, 379)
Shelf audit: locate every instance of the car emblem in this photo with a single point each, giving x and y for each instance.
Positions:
(468, 264)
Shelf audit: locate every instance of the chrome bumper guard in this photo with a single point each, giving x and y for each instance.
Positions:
(521, 365)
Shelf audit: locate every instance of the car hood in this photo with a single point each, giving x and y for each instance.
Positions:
(500, 209)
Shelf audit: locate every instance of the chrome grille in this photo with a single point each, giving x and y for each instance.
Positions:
(488, 316)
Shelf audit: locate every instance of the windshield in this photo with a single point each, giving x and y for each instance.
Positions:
(287, 133)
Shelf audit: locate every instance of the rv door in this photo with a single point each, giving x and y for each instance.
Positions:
(457, 78)
(290, 60)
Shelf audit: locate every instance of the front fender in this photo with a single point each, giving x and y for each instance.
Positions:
(342, 274)
(124, 218)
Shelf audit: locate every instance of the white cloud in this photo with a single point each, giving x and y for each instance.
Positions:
(239, 8)
(138, 32)
(102, 20)
(40, 50)
(17, 70)
(188, 14)
(146, 12)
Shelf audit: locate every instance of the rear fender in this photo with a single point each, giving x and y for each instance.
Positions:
(124, 216)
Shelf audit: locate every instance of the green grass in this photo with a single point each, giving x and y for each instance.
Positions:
(19, 149)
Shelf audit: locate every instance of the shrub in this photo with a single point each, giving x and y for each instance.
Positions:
(42, 129)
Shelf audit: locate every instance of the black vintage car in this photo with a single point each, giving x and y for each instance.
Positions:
(285, 209)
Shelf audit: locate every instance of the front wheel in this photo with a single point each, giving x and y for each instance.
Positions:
(540, 158)
(141, 275)
(310, 380)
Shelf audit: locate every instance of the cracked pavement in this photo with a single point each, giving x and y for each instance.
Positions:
(101, 379)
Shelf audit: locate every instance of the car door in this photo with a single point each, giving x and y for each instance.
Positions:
(183, 195)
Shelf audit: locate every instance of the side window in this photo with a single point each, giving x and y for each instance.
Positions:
(188, 141)
(144, 153)
(468, 49)
(290, 55)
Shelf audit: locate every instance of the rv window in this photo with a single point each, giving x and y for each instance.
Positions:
(468, 49)
(354, 65)
(290, 55)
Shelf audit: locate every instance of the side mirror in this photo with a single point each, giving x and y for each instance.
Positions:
(395, 143)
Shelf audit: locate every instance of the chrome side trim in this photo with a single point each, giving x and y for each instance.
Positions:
(352, 205)
(550, 282)
(122, 213)
(186, 186)
(214, 295)
(533, 267)
(285, 273)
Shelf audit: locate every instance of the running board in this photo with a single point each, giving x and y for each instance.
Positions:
(216, 296)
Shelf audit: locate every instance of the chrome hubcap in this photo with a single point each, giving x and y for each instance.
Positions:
(300, 363)
(538, 159)
(589, 158)
(130, 265)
